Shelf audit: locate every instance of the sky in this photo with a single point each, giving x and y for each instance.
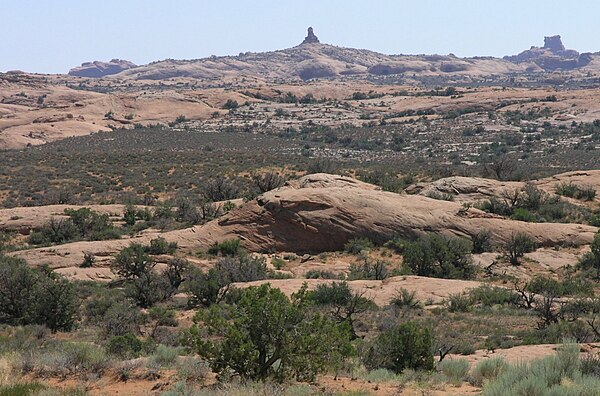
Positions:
(51, 36)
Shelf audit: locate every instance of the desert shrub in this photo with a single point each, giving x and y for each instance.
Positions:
(88, 260)
(455, 370)
(91, 225)
(345, 304)
(566, 189)
(357, 245)
(405, 299)
(71, 358)
(192, 369)
(206, 288)
(492, 295)
(132, 262)
(135, 266)
(322, 165)
(555, 375)
(293, 340)
(278, 263)
(230, 247)
(164, 356)
(57, 305)
(369, 269)
(523, 214)
(481, 242)
(174, 273)
(114, 318)
(161, 246)
(591, 260)
(320, 274)
(441, 196)
(584, 193)
(268, 181)
(56, 231)
(231, 104)
(379, 376)
(517, 245)
(125, 346)
(487, 370)
(439, 256)
(21, 389)
(494, 205)
(34, 296)
(220, 189)
(590, 364)
(458, 302)
(407, 346)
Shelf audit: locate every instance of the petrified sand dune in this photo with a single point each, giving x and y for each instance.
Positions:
(321, 212)
(24, 219)
(381, 292)
(472, 189)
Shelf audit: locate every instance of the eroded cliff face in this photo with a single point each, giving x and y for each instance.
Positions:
(99, 69)
(552, 56)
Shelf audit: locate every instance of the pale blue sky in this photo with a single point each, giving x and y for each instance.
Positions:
(54, 35)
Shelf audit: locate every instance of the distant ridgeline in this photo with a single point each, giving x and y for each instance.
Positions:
(312, 59)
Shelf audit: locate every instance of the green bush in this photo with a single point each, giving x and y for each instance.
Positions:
(584, 193)
(230, 247)
(481, 242)
(407, 346)
(161, 246)
(591, 260)
(487, 370)
(269, 336)
(555, 375)
(369, 269)
(125, 346)
(523, 214)
(36, 296)
(204, 288)
(455, 370)
(458, 302)
(489, 296)
(441, 257)
(357, 245)
(164, 356)
(517, 245)
(21, 389)
(405, 299)
(320, 274)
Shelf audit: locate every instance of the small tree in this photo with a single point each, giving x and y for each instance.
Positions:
(231, 104)
(32, 296)
(517, 245)
(269, 336)
(268, 181)
(407, 346)
(439, 256)
(133, 262)
(591, 260)
(344, 303)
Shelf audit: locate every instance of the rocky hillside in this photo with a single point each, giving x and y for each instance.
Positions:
(313, 59)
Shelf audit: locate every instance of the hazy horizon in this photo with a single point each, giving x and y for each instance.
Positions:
(55, 36)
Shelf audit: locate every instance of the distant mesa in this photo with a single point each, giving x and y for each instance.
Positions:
(310, 38)
(552, 56)
(99, 69)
